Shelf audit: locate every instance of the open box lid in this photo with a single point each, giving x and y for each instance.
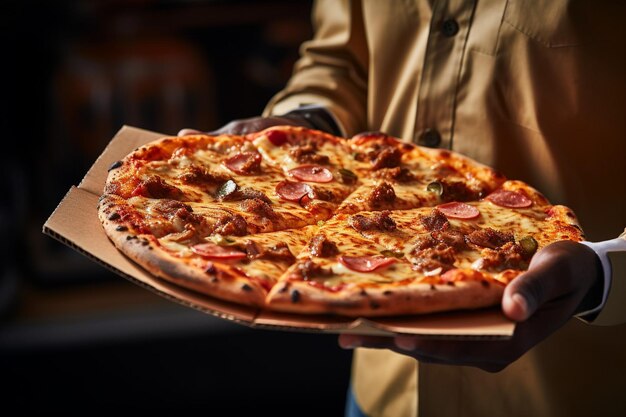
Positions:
(75, 222)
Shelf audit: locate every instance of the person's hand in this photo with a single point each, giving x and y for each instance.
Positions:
(563, 279)
(251, 125)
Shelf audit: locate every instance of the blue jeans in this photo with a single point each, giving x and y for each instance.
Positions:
(352, 408)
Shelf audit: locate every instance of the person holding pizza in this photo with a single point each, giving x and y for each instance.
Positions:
(536, 91)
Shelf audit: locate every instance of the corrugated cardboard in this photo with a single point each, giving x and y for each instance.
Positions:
(75, 223)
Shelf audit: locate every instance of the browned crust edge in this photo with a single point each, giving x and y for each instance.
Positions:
(301, 297)
(563, 215)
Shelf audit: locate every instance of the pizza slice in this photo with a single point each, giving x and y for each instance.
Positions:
(401, 176)
(316, 165)
(287, 147)
(334, 273)
(240, 269)
(342, 272)
(495, 237)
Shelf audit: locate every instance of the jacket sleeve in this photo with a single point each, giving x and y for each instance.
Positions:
(332, 70)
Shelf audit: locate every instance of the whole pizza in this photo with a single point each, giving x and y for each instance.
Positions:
(296, 220)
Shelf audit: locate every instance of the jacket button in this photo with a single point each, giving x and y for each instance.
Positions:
(430, 138)
(449, 28)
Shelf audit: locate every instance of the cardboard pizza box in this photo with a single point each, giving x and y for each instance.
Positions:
(75, 222)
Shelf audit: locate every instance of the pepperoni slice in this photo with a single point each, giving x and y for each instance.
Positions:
(293, 191)
(244, 163)
(509, 199)
(312, 173)
(365, 263)
(277, 137)
(458, 210)
(211, 250)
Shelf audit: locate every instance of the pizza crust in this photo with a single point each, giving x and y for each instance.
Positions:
(301, 297)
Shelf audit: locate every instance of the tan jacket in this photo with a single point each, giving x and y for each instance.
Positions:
(535, 89)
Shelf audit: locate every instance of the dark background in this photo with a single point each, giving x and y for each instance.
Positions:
(74, 338)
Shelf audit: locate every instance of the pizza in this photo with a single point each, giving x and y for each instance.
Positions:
(295, 220)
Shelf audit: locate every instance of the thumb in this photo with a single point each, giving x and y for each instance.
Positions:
(516, 307)
(547, 278)
(563, 270)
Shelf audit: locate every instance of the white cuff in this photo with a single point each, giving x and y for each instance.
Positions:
(601, 249)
